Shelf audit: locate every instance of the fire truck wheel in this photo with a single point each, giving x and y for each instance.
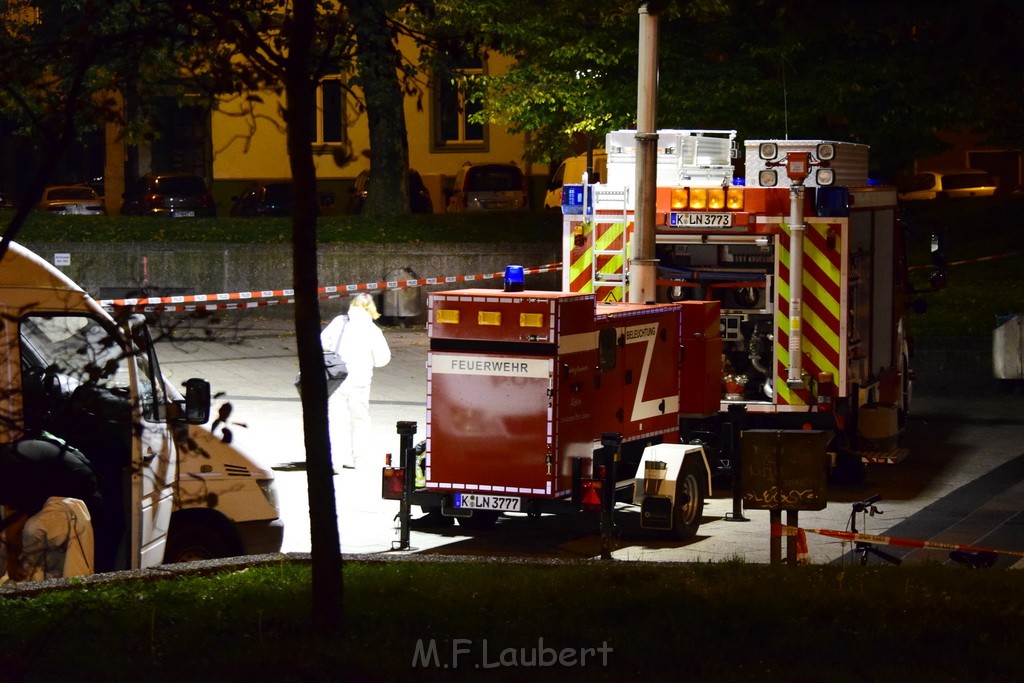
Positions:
(480, 520)
(691, 490)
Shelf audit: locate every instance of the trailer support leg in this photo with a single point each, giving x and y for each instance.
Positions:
(407, 458)
(608, 457)
(731, 444)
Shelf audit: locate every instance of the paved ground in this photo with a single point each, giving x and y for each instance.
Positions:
(962, 483)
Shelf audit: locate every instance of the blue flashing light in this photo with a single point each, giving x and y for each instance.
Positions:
(740, 182)
(832, 202)
(572, 200)
(515, 280)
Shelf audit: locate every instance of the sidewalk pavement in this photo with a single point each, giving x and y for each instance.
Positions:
(252, 362)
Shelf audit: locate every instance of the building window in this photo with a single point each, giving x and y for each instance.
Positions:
(453, 128)
(329, 127)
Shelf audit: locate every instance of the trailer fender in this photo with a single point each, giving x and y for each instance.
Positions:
(657, 487)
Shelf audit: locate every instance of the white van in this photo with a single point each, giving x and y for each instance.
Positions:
(70, 369)
(571, 171)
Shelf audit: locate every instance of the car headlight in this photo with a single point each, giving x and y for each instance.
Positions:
(269, 489)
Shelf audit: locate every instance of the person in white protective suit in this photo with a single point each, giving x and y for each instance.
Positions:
(362, 346)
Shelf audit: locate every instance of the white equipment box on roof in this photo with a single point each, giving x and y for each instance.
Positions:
(693, 158)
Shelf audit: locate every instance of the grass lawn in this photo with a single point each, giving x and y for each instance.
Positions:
(513, 621)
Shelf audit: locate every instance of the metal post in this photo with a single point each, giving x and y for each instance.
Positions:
(794, 379)
(775, 545)
(407, 459)
(731, 440)
(609, 457)
(643, 266)
(792, 520)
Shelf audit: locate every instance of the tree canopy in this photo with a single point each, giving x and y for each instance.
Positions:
(882, 73)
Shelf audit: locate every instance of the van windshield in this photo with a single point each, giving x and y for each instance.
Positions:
(78, 347)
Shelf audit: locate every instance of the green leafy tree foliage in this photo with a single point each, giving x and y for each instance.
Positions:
(882, 73)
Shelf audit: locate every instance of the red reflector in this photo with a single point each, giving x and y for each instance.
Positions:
(393, 484)
(602, 472)
(591, 495)
(807, 426)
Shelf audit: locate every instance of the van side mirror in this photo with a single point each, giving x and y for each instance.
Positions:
(197, 401)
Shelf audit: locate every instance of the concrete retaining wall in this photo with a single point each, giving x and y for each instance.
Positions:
(125, 269)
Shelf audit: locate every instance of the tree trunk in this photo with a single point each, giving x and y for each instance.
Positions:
(327, 607)
(378, 59)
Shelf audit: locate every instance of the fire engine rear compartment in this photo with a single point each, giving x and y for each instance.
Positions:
(522, 386)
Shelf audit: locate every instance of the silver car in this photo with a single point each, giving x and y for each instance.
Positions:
(79, 200)
(943, 184)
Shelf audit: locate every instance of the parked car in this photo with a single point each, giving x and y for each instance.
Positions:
(169, 194)
(488, 187)
(942, 184)
(419, 196)
(79, 200)
(264, 199)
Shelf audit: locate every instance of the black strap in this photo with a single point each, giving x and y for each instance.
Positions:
(8, 521)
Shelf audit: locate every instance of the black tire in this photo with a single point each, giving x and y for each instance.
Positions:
(480, 520)
(691, 490)
(196, 538)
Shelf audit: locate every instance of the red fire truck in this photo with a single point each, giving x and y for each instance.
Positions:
(782, 306)
(807, 261)
(544, 401)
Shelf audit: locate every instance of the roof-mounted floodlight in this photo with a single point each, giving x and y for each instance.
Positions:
(768, 150)
(767, 178)
(826, 151)
(824, 176)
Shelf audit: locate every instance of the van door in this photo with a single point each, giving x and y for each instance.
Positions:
(152, 486)
(94, 387)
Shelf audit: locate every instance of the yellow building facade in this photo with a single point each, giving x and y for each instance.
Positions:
(248, 137)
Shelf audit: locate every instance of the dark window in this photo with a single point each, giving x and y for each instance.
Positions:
(332, 108)
(454, 109)
(963, 181)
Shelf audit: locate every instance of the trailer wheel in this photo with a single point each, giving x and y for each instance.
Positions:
(480, 520)
(691, 490)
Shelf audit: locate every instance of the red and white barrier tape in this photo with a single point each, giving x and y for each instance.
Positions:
(784, 530)
(272, 297)
(980, 259)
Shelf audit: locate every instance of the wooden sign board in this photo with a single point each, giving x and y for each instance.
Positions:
(784, 469)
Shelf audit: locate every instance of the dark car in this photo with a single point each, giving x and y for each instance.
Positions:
(178, 195)
(419, 196)
(264, 199)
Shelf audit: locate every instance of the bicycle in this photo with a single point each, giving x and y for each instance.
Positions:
(865, 548)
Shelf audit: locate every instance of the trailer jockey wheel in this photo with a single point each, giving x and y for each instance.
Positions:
(691, 490)
(480, 520)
